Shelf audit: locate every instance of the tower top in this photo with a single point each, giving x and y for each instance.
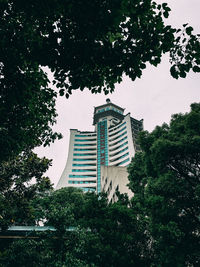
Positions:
(107, 110)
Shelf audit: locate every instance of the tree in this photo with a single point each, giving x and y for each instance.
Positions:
(88, 44)
(44, 251)
(27, 112)
(89, 232)
(165, 179)
(21, 181)
(115, 237)
(64, 247)
(110, 236)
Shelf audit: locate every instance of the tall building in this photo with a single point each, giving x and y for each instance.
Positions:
(112, 143)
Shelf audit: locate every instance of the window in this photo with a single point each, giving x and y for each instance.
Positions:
(117, 132)
(119, 141)
(84, 149)
(119, 152)
(85, 135)
(81, 182)
(84, 155)
(82, 176)
(85, 144)
(85, 140)
(116, 127)
(115, 138)
(83, 165)
(126, 154)
(124, 161)
(113, 149)
(83, 170)
(86, 159)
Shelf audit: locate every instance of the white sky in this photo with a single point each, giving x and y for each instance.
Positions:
(154, 97)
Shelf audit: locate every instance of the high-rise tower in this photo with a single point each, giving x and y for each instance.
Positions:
(113, 143)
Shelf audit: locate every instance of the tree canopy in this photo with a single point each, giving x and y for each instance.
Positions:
(86, 44)
(165, 178)
(21, 181)
(89, 232)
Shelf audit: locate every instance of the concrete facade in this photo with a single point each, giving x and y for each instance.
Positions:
(114, 178)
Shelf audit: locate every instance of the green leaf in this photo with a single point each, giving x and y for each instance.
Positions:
(182, 74)
(196, 69)
(180, 53)
(143, 66)
(189, 30)
(61, 92)
(166, 14)
(173, 72)
(159, 7)
(164, 5)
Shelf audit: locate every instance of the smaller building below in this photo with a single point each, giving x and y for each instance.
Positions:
(114, 178)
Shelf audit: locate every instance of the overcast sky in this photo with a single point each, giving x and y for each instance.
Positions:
(154, 97)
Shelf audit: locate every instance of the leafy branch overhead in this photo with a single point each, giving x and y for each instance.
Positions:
(92, 43)
(86, 44)
(185, 55)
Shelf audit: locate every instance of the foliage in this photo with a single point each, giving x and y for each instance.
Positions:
(45, 251)
(21, 180)
(110, 234)
(115, 237)
(27, 110)
(165, 179)
(60, 209)
(88, 44)
(102, 234)
(184, 55)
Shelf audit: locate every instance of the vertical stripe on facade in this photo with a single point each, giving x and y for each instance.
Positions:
(102, 150)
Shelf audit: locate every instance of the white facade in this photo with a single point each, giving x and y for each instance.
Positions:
(80, 169)
(113, 143)
(113, 179)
